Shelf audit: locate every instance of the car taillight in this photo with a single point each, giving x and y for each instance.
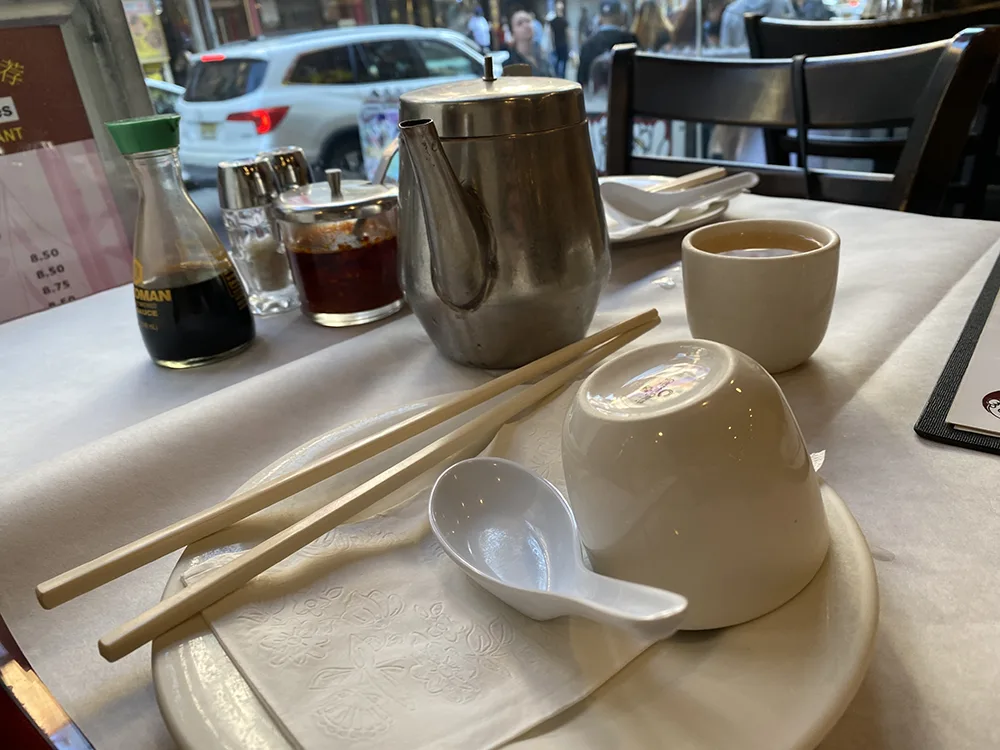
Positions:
(265, 120)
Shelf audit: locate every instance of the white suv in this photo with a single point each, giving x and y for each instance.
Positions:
(307, 90)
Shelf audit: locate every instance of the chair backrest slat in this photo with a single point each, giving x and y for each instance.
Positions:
(884, 87)
(778, 37)
(935, 151)
(735, 92)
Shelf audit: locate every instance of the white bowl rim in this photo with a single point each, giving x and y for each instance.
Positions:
(815, 231)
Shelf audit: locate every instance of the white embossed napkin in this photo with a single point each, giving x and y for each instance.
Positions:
(372, 637)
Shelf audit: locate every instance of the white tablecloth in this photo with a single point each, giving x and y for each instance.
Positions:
(79, 373)
(82, 402)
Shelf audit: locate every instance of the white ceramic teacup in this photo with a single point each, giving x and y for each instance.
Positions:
(686, 470)
(773, 306)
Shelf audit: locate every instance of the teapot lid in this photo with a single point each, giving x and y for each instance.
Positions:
(487, 106)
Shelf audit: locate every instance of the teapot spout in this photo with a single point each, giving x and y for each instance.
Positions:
(463, 257)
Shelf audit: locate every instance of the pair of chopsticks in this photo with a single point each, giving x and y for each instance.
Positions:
(694, 179)
(571, 360)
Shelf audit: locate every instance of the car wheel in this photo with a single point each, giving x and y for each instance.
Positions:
(344, 153)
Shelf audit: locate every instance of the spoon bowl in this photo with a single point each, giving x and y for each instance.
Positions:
(515, 535)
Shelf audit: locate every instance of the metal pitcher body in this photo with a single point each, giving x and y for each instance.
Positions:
(538, 197)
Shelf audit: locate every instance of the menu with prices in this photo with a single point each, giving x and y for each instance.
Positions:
(61, 237)
(976, 407)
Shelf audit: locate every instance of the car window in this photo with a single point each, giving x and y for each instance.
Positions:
(388, 60)
(328, 66)
(164, 102)
(225, 78)
(443, 59)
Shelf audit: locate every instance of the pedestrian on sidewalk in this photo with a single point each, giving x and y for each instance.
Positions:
(559, 32)
(524, 50)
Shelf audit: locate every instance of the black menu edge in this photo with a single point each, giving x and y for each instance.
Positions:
(933, 424)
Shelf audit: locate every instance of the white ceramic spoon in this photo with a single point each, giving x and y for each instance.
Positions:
(644, 206)
(514, 534)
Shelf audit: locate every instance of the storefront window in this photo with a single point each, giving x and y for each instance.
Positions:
(231, 20)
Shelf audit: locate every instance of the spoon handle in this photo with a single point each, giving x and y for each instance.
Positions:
(651, 612)
(733, 183)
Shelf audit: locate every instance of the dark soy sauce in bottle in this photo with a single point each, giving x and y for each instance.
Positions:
(193, 315)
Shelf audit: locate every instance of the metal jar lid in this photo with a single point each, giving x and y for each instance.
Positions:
(509, 105)
(335, 200)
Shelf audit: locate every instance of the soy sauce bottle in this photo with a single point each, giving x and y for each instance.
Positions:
(191, 305)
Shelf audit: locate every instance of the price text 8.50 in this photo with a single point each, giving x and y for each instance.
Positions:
(44, 255)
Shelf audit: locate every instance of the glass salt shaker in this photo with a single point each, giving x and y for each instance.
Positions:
(246, 189)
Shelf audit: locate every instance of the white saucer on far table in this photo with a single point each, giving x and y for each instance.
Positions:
(685, 222)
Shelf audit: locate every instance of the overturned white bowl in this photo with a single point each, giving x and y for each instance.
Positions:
(686, 470)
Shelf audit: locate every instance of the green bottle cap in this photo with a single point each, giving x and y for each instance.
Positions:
(146, 133)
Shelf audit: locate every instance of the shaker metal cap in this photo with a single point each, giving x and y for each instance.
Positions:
(509, 105)
(247, 183)
(319, 201)
(290, 167)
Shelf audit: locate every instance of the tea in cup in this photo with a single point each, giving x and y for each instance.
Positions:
(686, 470)
(763, 286)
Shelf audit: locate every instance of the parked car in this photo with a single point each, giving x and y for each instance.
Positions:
(164, 96)
(307, 89)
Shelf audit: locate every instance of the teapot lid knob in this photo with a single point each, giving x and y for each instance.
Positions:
(333, 179)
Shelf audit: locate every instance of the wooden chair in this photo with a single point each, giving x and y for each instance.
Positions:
(780, 38)
(946, 80)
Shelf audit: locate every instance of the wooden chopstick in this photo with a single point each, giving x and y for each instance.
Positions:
(702, 176)
(214, 586)
(114, 564)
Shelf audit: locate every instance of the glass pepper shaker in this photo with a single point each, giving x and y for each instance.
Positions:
(341, 242)
(246, 189)
(191, 306)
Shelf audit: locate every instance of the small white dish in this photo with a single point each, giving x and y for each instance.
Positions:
(648, 207)
(621, 227)
(618, 223)
(514, 534)
(678, 225)
(686, 471)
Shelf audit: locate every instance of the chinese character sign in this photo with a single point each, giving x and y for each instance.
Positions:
(61, 237)
(11, 72)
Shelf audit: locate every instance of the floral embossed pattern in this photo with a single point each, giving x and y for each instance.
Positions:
(400, 648)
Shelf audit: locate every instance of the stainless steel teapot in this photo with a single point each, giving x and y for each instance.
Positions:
(502, 238)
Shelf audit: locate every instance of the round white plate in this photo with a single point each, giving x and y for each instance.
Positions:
(781, 681)
(712, 212)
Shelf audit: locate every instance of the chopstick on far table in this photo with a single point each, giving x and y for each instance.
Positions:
(114, 564)
(694, 179)
(214, 586)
